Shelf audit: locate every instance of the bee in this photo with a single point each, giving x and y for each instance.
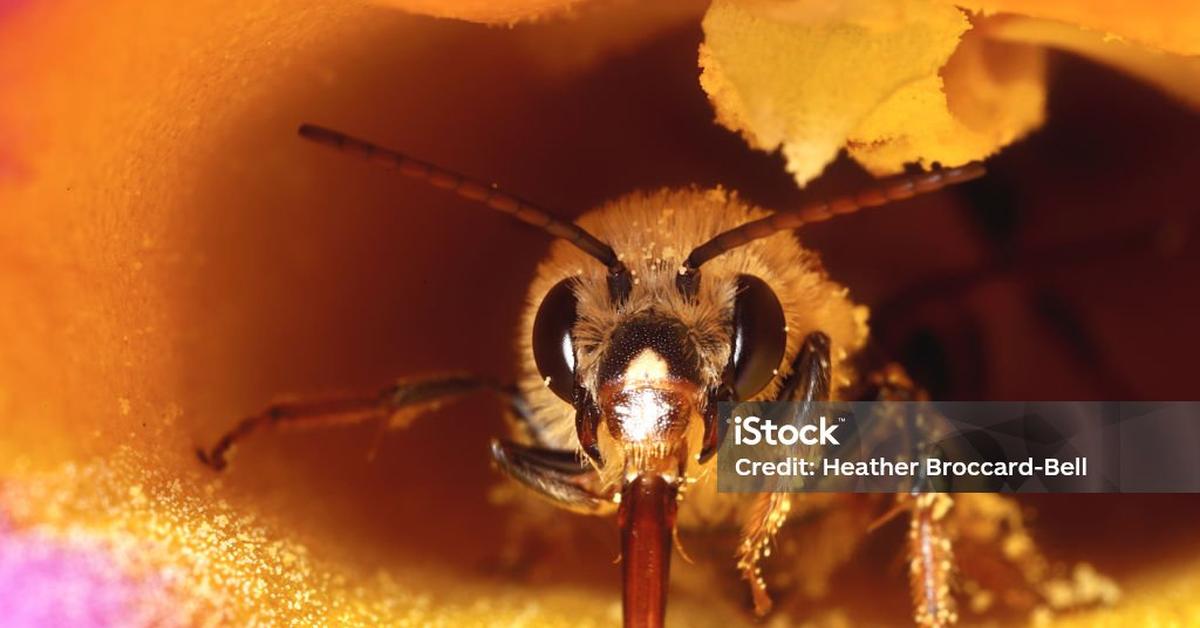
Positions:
(645, 315)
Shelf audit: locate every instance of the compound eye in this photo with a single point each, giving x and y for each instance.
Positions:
(553, 349)
(759, 336)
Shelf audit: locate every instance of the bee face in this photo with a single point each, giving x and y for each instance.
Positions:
(648, 370)
(643, 382)
(648, 382)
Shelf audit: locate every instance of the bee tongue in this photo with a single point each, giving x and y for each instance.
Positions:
(647, 519)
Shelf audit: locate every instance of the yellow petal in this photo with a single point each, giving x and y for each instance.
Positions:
(1168, 25)
(988, 95)
(804, 78)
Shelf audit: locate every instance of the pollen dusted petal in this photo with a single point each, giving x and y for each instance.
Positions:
(893, 83)
(804, 78)
(988, 95)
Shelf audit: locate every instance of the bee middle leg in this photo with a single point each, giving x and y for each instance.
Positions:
(557, 475)
(930, 551)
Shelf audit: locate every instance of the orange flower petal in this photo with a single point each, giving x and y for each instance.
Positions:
(1167, 25)
(1177, 75)
(487, 11)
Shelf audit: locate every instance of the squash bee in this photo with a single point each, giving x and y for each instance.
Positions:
(645, 314)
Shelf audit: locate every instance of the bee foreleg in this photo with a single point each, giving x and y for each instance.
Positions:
(808, 381)
(397, 405)
(767, 516)
(559, 476)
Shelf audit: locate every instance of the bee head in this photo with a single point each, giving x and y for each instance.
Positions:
(647, 386)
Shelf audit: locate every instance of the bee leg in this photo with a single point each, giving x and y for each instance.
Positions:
(398, 405)
(767, 516)
(808, 381)
(931, 561)
(557, 475)
(810, 377)
(930, 552)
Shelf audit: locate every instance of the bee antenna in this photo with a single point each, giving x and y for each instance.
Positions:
(884, 192)
(619, 280)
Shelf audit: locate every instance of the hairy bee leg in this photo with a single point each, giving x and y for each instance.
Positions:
(811, 371)
(557, 475)
(986, 522)
(930, 551)
(808, 381)
(931, 561)
(767, 515)
(399, 404)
